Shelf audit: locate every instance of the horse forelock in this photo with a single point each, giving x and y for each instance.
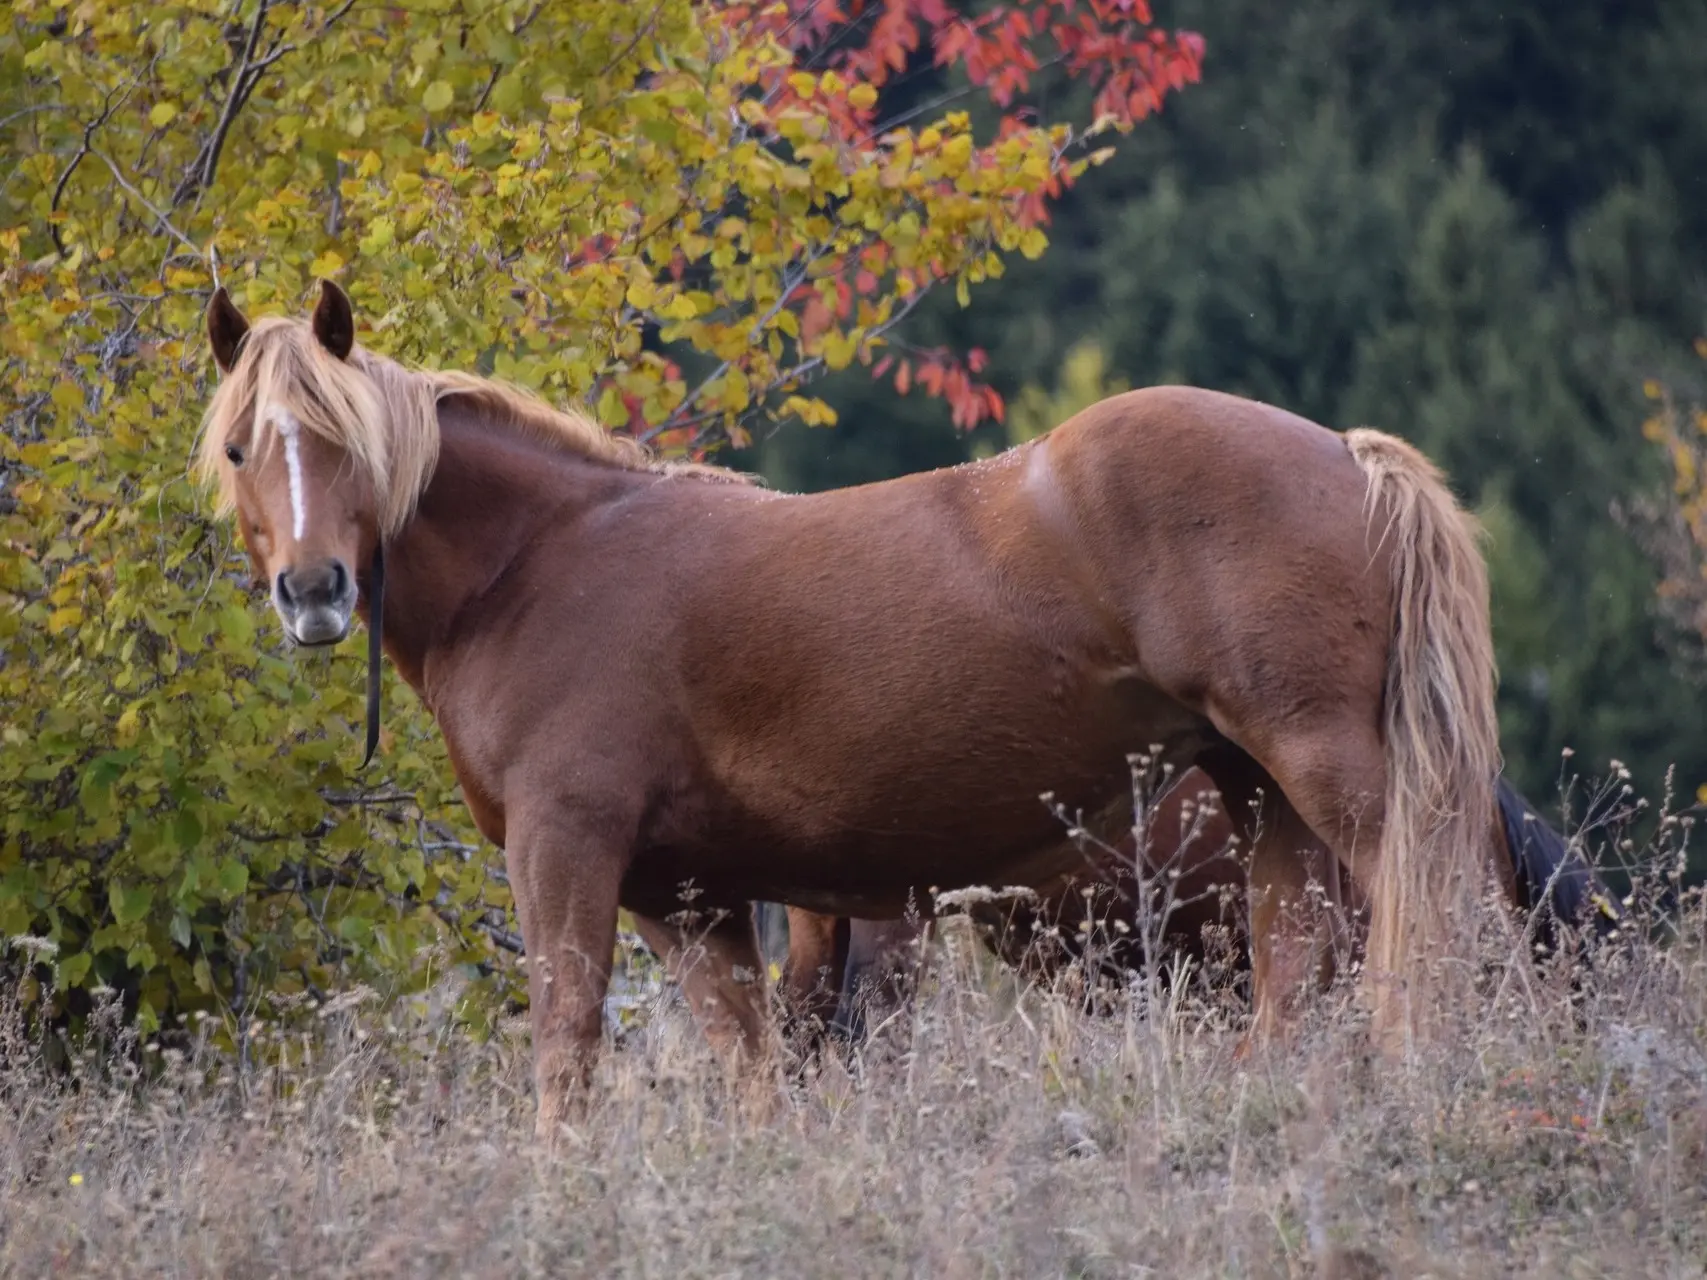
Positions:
(381, 417)
(385, 417)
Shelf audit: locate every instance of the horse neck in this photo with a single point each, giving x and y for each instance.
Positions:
(493, 493)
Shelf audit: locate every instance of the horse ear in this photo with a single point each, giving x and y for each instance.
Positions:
(334, 323)
(226, 329)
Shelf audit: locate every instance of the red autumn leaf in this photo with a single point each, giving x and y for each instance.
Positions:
(1109, 48)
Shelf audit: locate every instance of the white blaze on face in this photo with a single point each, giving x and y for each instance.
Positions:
(290, 431)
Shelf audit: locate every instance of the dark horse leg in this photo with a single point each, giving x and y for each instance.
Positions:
(882, 966)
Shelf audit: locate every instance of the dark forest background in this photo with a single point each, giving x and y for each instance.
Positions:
(1480, 227)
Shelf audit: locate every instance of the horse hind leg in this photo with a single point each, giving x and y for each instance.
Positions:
(812, 975)
(1298, 926)
(1417, 880)
(720, 972)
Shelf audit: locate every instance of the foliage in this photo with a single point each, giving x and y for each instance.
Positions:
(679, 212)
(1672, 524)
(1681, 431)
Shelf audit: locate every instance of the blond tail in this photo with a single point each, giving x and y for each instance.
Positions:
(1442, 735)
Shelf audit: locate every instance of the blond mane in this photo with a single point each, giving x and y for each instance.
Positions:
(385, 417)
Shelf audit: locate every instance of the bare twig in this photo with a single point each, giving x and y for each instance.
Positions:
(114, 101)
(491, 81)
(360, 798)
(30, 111)
(646, 28)
(498, 68)
(165, 223)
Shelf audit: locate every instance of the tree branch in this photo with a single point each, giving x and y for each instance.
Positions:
(208, 160)
(243, 81)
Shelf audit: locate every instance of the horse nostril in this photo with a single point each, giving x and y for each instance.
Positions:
(282, 586)
(340, 580)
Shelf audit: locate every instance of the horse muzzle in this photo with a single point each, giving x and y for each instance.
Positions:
(316, 603)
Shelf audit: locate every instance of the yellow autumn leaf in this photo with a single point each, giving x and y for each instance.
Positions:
(380, 236)
(68, 396)
(124, 729)
(839, 350)
(736, 394)
(680, 307)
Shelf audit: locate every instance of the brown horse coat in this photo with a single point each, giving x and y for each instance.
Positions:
(650, 681)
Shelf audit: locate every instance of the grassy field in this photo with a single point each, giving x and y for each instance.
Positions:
(989, 1132)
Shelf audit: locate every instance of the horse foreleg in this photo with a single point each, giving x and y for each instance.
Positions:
(566, 898)
(720, 972)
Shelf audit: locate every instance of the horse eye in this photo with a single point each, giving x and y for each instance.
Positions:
(235, 454)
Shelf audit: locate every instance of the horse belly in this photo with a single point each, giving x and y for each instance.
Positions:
(950, 801)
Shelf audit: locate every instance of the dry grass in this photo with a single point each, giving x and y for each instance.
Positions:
(991, 1131)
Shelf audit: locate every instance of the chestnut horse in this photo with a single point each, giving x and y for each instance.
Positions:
(652, 679)
(1117, 915)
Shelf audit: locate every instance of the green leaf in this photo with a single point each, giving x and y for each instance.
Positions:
(73, 969)
(355, 929)
(237, 625)
(129, 903)
(438, 97)
(187, 830)
(233, 878)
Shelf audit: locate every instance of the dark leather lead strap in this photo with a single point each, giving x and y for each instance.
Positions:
(375, 654)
